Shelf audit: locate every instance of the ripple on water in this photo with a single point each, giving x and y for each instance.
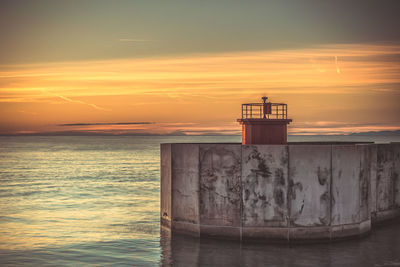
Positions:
(73, 201)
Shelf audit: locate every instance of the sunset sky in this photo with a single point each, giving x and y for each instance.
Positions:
(162, 67)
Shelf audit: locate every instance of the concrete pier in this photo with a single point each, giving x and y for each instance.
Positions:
(294, 192)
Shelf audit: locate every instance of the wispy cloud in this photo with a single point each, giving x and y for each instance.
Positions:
(105, 123)
(337, 66)
(82, 102)
(207, 89)
(335, 127)
(135, 40)
(27, 112)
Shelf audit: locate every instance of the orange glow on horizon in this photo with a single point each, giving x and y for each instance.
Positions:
(350, 87)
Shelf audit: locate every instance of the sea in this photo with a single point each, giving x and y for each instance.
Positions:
(95, 201)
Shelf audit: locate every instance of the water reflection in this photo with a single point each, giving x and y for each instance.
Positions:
(381, 248)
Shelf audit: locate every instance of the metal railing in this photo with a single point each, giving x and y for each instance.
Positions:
(264, 111)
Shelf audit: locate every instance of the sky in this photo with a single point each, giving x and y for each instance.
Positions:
(185, 67)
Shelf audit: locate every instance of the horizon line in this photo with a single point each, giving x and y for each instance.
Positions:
(84, 133)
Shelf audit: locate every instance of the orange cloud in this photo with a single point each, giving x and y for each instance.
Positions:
(207, 89)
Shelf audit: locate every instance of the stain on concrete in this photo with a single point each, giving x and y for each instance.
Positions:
(220, 184)
(185, 184)
(364, 180)
(396, 189)
(396, 159)
(293, 188)
(279, 178)
(363, 185)
(262, 168)
(323, 175)
(346, 167)
(325, 197)
(262, 197)
(264, 185)
(184, 219)
(392, 190)
(279, 197)
(302, 207)
(309, 185)
(246, 194)
(166, 178)
(284, 160)
(385, 178)
(323, 221)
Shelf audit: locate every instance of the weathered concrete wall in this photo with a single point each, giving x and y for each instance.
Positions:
(185, 187)
(385, 186)
(264, 183)
(373, 181)
(309, 185)
(166, 196)
(285, 192)
(387, 181)
(365, 153)
(396, 158)
(345, 185)
(220, 189)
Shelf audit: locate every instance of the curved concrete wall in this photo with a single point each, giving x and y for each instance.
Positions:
(386, 196)
(278, 192)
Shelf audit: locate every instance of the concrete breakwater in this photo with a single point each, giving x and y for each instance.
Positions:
(294, 192)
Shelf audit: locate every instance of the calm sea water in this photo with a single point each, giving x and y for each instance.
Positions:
(94, 201)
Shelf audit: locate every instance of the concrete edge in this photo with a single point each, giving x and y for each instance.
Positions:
(383, 216)
(273, 234)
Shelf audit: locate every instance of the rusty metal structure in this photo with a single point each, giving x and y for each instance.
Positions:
(264, 123)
